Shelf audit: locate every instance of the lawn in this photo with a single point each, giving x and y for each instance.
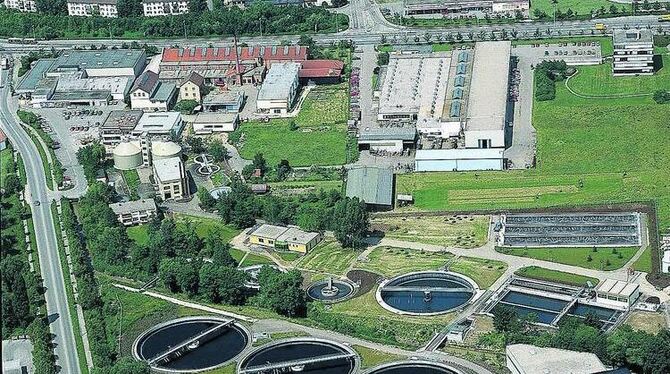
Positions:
(328, 257)
(535, 272)
(132, 180)
(203, 226)
(253, 259)
(371, 357)
(590, 151)
(602, 259)
(391, 261)
(320, 138)
(581, 7)
(484, 272)
(606, 44)
(5, 160)
(450, 231)
(314, 186)
(643, 263)
(597, 80)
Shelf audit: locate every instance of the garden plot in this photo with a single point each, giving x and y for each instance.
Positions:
(463, 231)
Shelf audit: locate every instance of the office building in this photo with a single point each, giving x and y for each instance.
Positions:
(633, 52)
(171, 179)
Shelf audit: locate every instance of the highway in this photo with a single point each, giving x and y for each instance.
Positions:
(52, 273)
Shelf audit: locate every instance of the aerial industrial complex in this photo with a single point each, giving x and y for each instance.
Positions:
(485, 197)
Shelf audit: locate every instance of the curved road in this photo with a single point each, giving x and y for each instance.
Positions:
(45, 233)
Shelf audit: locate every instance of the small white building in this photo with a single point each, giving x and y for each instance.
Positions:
(135, 212)
(161, 124)
(529, 359)
(665, 263)
(617, 293)
(150, 94)
(21, 5)
(458, 159)
(279, 88)
(89, 8)
(210, 122)
(171, 179)
(153, 8)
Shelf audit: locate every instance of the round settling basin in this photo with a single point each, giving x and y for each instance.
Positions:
(426, 293)
(330, 291)
(413, 367)
(253, 271)
(207, 352)
(304, 355)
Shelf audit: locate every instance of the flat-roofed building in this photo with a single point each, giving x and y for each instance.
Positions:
(118, 87)
(171, 179)
(414, 88)
(633, 52)
(150, 94)
(117, 126)
(229, 101)
(21, 5)
(161, 124)
(487, 103)
(466, 8)
(210, 122)
(135, 212)
(100, 63)
(279, 89)
(458, 159)
(617, 293)
(387, 139)
(373, 185)
(156, 8)
(281, 237)
(89, 8)
(529, 359)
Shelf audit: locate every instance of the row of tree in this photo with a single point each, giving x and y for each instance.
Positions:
(260, 17)
(637, 350)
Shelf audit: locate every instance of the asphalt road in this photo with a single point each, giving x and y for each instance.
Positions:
(52, 273)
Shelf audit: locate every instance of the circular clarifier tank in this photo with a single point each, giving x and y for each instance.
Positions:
(413, 367)
(305, 355)
(330, 290)
(191, 344)
(426, 293)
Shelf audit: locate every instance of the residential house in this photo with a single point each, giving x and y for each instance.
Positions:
(150, 94)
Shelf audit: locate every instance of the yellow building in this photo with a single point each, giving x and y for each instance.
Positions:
(286, 238)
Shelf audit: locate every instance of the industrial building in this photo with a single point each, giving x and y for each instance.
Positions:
(279, 89)
(171, 179)
(156, 8)
(321, 71)
(160, 124)
(286, 238)
(135, 212)
(101, 63)
(617, 293)
(150, 94)
(118, 125)
(466, 8)
(230, 101)
(89, 8)
(192, 87)
(529, 359)
(372, 185)
(388, 139)
(633, 52)
(21, 5)
(458, 159)
(210, 122)
(219, 65)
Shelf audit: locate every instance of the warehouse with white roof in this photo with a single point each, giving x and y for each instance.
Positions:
(279, 88)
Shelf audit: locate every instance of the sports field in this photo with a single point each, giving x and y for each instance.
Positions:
(320, 138)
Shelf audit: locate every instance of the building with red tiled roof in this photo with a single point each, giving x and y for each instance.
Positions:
(216, 62)
(3, 140)
(321, 71)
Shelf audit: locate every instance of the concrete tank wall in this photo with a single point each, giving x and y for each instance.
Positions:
(127, 156)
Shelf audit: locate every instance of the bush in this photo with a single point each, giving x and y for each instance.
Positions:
(662, 97)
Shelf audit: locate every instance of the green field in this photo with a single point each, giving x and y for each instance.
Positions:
(590, 151)
(319, 140)
(328, 257)
(581, 7)
(140, 234)
(597, 80)
(606, 45)
(484, 272)
(643, 263)
(450, 231)
(391, 261)
(307, 185)
(603, 259)
(535, 272)
(371, 358)
(254, 259)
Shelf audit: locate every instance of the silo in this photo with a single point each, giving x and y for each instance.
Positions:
(127, 156)
(162, 150)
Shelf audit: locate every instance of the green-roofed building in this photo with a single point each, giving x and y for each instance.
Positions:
(373, 185)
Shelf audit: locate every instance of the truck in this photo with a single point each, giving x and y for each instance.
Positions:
(4, 62)
(664, 18)
(600, 26)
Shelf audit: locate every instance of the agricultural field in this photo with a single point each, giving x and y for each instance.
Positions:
(602, 259)
(319, 139)
(449, 231)
(328, 257)
(597, 80)
(305, 186)
(536, 272)
(590, 151)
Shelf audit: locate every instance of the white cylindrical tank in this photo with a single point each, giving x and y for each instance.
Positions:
(127, 156)
(161, 150)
